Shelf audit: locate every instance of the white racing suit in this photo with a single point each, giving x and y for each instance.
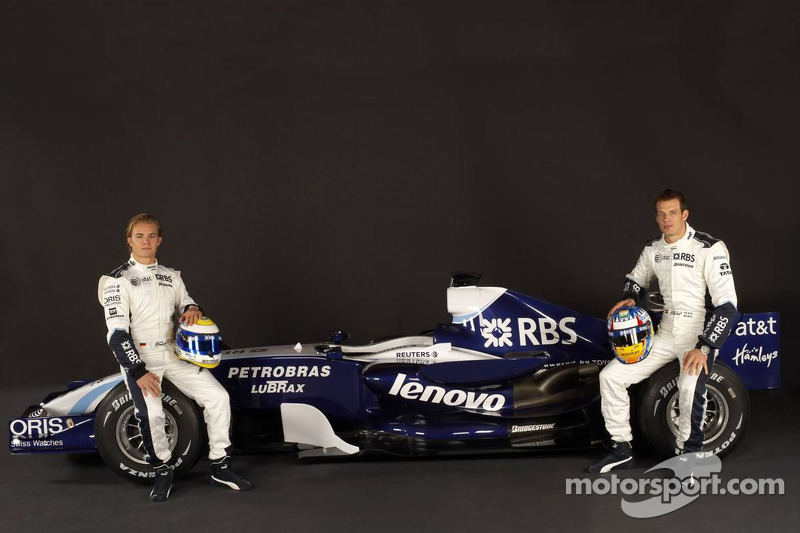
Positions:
(140, 302)
(694, 276)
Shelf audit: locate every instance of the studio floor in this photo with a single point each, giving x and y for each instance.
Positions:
(525, 492)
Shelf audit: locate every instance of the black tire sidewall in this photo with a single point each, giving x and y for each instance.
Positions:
(658, 392)
(185, 412)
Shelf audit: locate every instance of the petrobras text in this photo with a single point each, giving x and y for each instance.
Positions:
(300, 371)
(453, 397)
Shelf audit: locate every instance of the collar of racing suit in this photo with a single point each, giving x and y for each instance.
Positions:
(683, 240)
(141, 266)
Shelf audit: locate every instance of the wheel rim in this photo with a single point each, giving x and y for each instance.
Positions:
(715, 420)
(129, 438)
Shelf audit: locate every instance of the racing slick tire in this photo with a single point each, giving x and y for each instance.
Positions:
(119, 441)
(727, 410)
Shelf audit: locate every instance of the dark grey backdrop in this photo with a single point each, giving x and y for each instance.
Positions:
(322, 166)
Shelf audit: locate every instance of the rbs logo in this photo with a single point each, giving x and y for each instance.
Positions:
(550, 331)
(544, 331)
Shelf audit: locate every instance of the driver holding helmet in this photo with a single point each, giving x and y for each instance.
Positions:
(140, 299)
(694, 276)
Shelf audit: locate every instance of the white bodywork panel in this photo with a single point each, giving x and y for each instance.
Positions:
(84, 399)
(306, 425)
(411, 350)
(465, 303)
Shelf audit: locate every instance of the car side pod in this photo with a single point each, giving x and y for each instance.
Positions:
(307, 425)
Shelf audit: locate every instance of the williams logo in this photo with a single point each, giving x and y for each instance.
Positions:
(454, 397)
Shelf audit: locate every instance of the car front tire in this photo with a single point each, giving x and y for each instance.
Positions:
(119, 440)
(727, 410)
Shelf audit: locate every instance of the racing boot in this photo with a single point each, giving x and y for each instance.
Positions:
(684, 469)
(621, 456)
(222, 474)
(163, 483)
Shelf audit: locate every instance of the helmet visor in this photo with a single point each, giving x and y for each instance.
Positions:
(200, 344)
(630, 337)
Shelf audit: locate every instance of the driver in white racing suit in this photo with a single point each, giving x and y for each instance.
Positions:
(140, 299)
(694, 276)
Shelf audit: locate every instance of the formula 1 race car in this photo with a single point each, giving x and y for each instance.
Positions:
(509, 373)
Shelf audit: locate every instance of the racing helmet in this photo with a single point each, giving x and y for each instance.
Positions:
(630, 331)
(199, 344)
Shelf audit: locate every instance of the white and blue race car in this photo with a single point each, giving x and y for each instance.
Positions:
(509, 373)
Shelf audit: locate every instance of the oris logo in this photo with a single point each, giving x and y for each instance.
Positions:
(38, 428)
(112, 299)
(452, 397)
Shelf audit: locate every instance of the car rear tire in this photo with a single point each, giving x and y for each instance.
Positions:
(727, 410)
(119, 441)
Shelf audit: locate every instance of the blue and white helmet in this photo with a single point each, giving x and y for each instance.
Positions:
(630, 331)
(199, 344)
